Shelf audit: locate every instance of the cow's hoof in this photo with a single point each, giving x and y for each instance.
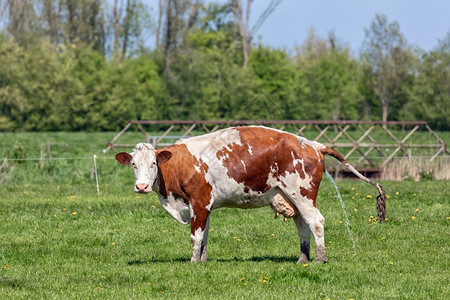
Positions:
(303, 259)
(321, 260)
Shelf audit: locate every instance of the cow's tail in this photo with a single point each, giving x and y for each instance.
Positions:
(381, 198)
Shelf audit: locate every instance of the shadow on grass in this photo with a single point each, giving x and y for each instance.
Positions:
(6, 282)
(138, 262)
(278, 259)
(260, 259)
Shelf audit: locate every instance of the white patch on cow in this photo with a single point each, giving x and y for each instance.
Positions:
(176, 207)
(191, 211)
(197, 168)
(296, 161)
(245, 168)
(250, 150)
(197, 237)
(313, 144)
(211, 203)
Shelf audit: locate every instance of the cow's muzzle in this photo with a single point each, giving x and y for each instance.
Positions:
(142, 188)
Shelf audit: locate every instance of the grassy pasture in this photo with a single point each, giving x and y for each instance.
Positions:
(65, 242)
(58, 239)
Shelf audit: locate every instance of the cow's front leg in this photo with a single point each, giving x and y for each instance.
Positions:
(199, 233)
(305, 238)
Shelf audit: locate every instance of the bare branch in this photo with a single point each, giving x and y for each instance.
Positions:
(263, 17)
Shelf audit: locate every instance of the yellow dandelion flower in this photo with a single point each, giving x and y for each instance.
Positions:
(305, 265)
(264, 281)
(272, 235)
(388, 197)
(356, 194)
(74, 213)
(352, 188)
(266, 278)
(413, 218)
(369, 196)
(243, 278)
(386, 219)
(238, 240)
(448, 218)
(355, 210)
(391, 263)
(397, 193)
(340, 222)
(417, 210)
(113, 243)
(414, 194)
(383, 238)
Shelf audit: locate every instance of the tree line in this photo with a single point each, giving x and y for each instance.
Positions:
(86, 65)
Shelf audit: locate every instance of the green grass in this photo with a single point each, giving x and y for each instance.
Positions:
(62, 241)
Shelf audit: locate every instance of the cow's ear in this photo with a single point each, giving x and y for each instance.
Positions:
(124, 158)
(164, 156)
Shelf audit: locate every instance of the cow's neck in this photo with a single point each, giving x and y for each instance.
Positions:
(158, 185)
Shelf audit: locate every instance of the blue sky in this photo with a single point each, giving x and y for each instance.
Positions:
(422, 22)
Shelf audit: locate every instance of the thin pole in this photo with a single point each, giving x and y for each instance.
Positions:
(96, 176)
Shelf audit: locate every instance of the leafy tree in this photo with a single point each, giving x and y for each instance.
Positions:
(430, 97)
(387, 59)
(274, 75)
(14, 104)
(331, 75)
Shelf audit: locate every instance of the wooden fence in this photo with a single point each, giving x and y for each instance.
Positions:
(370, 145)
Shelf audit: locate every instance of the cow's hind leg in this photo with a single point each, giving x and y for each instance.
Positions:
(315, 221)
(305, 237)
(199, 234)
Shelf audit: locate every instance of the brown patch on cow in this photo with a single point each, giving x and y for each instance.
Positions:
(179, 177)
(273, 153)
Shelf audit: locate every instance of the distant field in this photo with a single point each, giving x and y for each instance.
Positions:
(70, 157)
(59, 240)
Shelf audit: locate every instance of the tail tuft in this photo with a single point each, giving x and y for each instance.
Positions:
(381, 203)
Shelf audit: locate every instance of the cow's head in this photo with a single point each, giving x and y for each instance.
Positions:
(145, 165)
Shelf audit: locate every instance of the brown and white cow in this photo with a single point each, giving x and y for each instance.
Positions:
(244, 167)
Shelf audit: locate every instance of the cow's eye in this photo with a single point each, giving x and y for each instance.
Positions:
(153, 164)
(134, 165)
